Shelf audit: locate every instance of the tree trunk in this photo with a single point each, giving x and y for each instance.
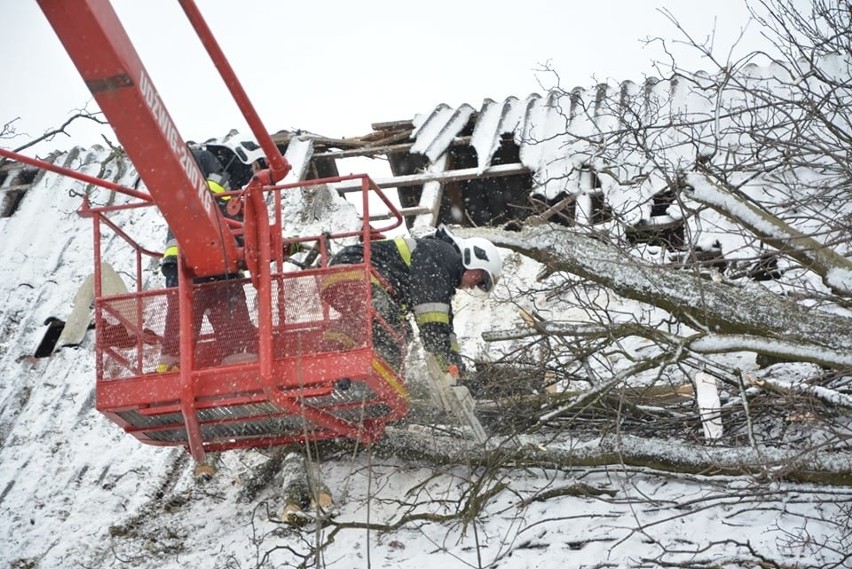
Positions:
(667, 455)
(742, 308)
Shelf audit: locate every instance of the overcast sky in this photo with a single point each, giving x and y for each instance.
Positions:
(335, 67)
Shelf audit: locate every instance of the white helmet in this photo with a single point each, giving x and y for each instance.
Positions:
(246, 151)
(479, 253)
(249, 152)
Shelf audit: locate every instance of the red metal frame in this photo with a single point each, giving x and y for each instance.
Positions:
(50, 167)
(286, 385)
(278, 164)
(293, 391)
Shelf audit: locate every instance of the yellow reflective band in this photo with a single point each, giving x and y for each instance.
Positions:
(346, 276)
(341, 277)
(428, 312)
(217, 188)
(171, 251)
(430, 317)
(404, 250)
(386, 374)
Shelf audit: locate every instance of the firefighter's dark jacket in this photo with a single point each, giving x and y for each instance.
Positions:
(217, 182)
(424, 275)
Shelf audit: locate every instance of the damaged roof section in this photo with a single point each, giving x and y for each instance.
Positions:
(505, 161)
(557, 154)
(611, 157)
(436, 166)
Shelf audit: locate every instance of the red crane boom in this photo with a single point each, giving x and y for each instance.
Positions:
(99, 46)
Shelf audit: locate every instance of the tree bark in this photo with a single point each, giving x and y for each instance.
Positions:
(666, 455)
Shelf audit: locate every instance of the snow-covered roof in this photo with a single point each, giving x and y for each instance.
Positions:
(561, 131)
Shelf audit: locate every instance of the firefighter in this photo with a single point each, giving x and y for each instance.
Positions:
(419, 276)
(240, 160)
(224, 304)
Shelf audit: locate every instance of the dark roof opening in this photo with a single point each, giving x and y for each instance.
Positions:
(51, 336)
(11, 194)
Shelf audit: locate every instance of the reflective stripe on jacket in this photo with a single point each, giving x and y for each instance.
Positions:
(424, 275)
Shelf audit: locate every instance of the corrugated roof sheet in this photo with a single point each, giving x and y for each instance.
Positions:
(561, 132)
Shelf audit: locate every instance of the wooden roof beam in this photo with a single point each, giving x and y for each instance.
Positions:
(373, 150)
(443, 177)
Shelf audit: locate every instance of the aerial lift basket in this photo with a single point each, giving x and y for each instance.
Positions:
(317, 362)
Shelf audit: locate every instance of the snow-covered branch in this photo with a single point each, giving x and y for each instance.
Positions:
(700, 343)
(835, 269)
(829, 396)
(662, 454)
(724, 308)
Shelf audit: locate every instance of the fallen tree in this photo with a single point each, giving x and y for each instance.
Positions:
(727, 221)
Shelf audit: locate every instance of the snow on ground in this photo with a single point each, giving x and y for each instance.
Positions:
(77, 492)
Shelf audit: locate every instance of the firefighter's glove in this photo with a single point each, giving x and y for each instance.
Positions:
(169, 269)
(457, 361)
